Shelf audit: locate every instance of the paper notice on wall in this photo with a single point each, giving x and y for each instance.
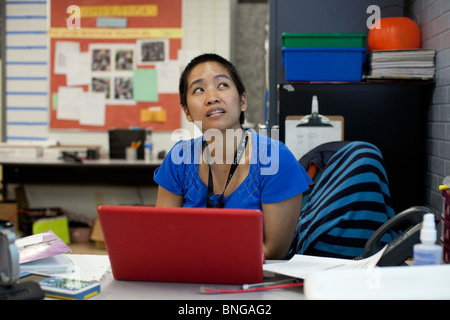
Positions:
(69, 103)
(145, 85)
(92, 111)
(62, 51)
(153, 114)
(168, 76)
(78, 70)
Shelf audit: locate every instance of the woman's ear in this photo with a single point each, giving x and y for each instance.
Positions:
(187, 113)
(244, 102)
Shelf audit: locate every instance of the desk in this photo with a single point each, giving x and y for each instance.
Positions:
(101, 171)
(134, 290)
(93, 267)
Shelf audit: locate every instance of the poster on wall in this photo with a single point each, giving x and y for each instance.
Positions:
(115, 65)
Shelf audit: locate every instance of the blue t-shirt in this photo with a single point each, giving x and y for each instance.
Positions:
(274, 175)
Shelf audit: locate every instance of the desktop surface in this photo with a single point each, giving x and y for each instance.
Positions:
(112, 289)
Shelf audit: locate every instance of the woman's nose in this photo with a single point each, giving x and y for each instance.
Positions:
(212, 97)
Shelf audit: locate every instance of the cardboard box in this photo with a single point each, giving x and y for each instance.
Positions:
(8, 211)
(97, 235)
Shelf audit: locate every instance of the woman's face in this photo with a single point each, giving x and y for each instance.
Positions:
(212, 98)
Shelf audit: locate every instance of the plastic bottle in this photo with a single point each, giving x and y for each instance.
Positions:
(427, 252)
(148, 146)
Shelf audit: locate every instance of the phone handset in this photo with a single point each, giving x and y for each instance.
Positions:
(409, 223)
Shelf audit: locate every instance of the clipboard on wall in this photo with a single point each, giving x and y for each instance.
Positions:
(302, 138)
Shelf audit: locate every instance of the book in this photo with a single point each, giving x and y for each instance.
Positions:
(417, 64)
(40, 246)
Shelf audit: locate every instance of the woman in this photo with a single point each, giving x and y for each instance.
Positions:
(200, 172)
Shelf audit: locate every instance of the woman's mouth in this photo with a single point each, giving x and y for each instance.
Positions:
(215, 111)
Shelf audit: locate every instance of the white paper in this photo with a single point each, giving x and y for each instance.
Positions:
(69, 102)
(83, 267)
(88, 267)
(62, 50)
(51, 265)
(30, 240)
(92, 110)
(78, 69)
(300, 140)
(168, 77)
(302, 265)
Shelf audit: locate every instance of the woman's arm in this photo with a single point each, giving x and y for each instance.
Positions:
(168, 199)
(280, 222)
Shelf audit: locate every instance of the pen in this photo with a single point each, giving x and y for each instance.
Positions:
(267, 284)
(255, 287)
(136, 145)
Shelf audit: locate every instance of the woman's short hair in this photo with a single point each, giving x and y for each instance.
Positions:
(210, 57)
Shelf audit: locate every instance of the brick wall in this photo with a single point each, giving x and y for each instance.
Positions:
(433, 17)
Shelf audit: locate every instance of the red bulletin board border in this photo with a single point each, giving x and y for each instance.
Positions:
(119, 116)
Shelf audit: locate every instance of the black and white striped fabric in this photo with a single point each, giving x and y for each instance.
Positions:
(350, 201)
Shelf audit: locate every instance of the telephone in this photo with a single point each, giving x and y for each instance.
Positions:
(10, 288)
(71, 157)
(409, 223)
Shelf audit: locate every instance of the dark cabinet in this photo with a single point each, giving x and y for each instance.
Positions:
(388, 115)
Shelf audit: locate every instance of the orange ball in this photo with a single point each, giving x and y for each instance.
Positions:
(395, 34)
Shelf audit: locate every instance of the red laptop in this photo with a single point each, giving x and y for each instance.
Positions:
(199, 245)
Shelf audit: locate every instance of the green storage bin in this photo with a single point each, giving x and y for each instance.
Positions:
(323, 40)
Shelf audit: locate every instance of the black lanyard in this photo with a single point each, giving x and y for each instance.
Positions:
(237, 157)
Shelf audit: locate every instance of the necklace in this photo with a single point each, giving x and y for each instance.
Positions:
(237, 157)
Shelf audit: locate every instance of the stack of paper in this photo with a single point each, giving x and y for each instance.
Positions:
(301, 266)
(45, 253)
(409, 64)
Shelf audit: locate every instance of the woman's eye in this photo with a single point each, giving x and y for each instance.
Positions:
(198, 90)
(223, 85)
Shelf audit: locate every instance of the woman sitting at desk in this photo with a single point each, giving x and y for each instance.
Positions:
(267, 176)
(349, 202)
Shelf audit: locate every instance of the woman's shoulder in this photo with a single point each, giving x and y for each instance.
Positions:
(185, 151)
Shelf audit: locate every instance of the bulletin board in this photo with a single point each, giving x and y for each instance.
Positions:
(114, 64)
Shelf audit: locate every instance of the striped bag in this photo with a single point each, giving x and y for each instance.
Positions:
(346, 205)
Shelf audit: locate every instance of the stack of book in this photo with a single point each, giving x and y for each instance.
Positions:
(402, 64)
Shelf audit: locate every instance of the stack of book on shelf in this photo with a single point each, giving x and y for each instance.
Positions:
(415, 64)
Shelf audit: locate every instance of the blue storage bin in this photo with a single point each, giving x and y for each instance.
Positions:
(323, 64)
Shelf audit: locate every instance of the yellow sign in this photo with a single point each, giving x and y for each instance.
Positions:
(153, 115)
(119, 11)
(116, 33)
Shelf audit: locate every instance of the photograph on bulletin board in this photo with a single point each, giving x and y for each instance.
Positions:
(115, 64)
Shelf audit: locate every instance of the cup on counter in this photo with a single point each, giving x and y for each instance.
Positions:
(130, 153)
